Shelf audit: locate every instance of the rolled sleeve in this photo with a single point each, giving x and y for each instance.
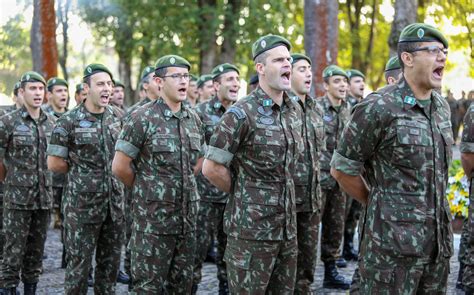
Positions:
(2, 152)
(466, 147)
(57, 151)
(345, 165)
(219, 155)
(127, 148)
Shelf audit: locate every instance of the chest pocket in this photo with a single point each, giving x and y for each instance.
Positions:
(115, 130)
(195, 141)
(165, 149)
(411, 143)
(23, 140)
(84, 138)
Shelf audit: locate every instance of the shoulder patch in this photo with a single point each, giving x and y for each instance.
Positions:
(238, 112)
(61, 131)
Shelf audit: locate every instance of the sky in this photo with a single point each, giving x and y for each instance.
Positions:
(457, 79)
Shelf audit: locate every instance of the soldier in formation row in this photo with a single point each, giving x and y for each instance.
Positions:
(190, 163)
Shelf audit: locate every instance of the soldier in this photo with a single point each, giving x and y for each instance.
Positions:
(205, 88)
(467, 159)
(393, 71)
(17, 101)
(80, 94)
(24, 135)
(356, 87)
(253, 83)
(336, 113)
(150, 87)
(306, 176)
(160, 139)
(82, 146)
(118, 95)
(456, 119)
(211, 210)
(193, 94)
(252, 155)
(402, 139)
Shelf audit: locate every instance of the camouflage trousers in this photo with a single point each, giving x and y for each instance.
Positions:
(332, 218)
(25, 235)
(353, 211)
(162, 264)
(82, 238)
(2, 234)
(57, 197)
(128, 229)
(261, 267)
(308, 234)
(392, 276)
(468, 259)
(210, 221)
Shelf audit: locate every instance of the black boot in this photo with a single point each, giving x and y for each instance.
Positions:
(194, 289)
(332, 278)
(223, 288)
(341, 262)
(63, 258)
(459, 284)
(29, 288)
(123, 278)
(90, 278)
(8, 291)
(348, 251)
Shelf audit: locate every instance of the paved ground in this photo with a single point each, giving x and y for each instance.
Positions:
(52, 279)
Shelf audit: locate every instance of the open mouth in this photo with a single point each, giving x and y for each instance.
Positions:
(38, 100)
(182, 91)
(286, 76)
(307, 83)
(438, 72)
(104, 98)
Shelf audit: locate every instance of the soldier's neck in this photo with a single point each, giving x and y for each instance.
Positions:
(57, 109)
(419, 90)
(34, 112)
(174, 106)
(225, 102)
(335, 102)
(301, 96)
(92, 108)
(275, 95)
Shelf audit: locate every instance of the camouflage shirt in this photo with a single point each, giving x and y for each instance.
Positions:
(86, 141)
(405, 149)
(23, 143)
(49, 109)
(165, 198)
(210, 112)
(260, 141)
(306, 176)
(352, 101)
(334, 122)
(467, 146)
(7, 109)
(134, 107)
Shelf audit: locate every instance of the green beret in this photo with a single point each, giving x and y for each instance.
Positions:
(32, 76)
(253, 80)
(118, 83)
(223, 68)
(17, 86)
(56, 81)
(79, 87)
(96, 68)
(298, 56)
(393, 64)
(268, 42)
(171, 61)
(203, 79)
(355, 73)
(334, 70)
(193, 77)
(146, 71)
(419, 32)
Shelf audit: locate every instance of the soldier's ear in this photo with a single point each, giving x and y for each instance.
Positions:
(85, 87)
(407, 59)
(260, 68)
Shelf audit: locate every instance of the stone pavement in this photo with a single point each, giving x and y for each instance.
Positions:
(51, 282)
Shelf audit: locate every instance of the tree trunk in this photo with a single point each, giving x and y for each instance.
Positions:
(125, 72)
(231, 29)
(370, 44)
(405, 14)
(35, 38)
(207, 41)
(63, 16)
(321, 37)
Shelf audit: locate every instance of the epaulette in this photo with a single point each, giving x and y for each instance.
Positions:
(238, 112)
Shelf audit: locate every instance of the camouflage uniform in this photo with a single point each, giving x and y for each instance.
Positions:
(3, 111)
(211, 209)
(93, 198)
(405, 150)
(260, 141)
(333, 201)
(28, 199)
(165, 202)
(467, 146)
(308, 193)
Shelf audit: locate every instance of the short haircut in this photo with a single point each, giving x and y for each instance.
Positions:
(392, 73)
(161, 72)
(261, 58)
(405, 47)
(15, 91)
(87, 80)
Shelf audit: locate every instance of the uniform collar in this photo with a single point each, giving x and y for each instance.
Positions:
(409, 100)
(266, 101)
(216, 104)
(328, 104)
(25, 114)
(166, 111)
(84, 114)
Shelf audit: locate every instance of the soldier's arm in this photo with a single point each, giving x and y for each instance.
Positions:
(122, 168)
(58, 147)
(355, 186)
(3, 149)
(217, 174)
(57, 164)
(467, 143)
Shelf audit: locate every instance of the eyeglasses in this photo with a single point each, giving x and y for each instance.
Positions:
(433, 50)
(178, 77)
